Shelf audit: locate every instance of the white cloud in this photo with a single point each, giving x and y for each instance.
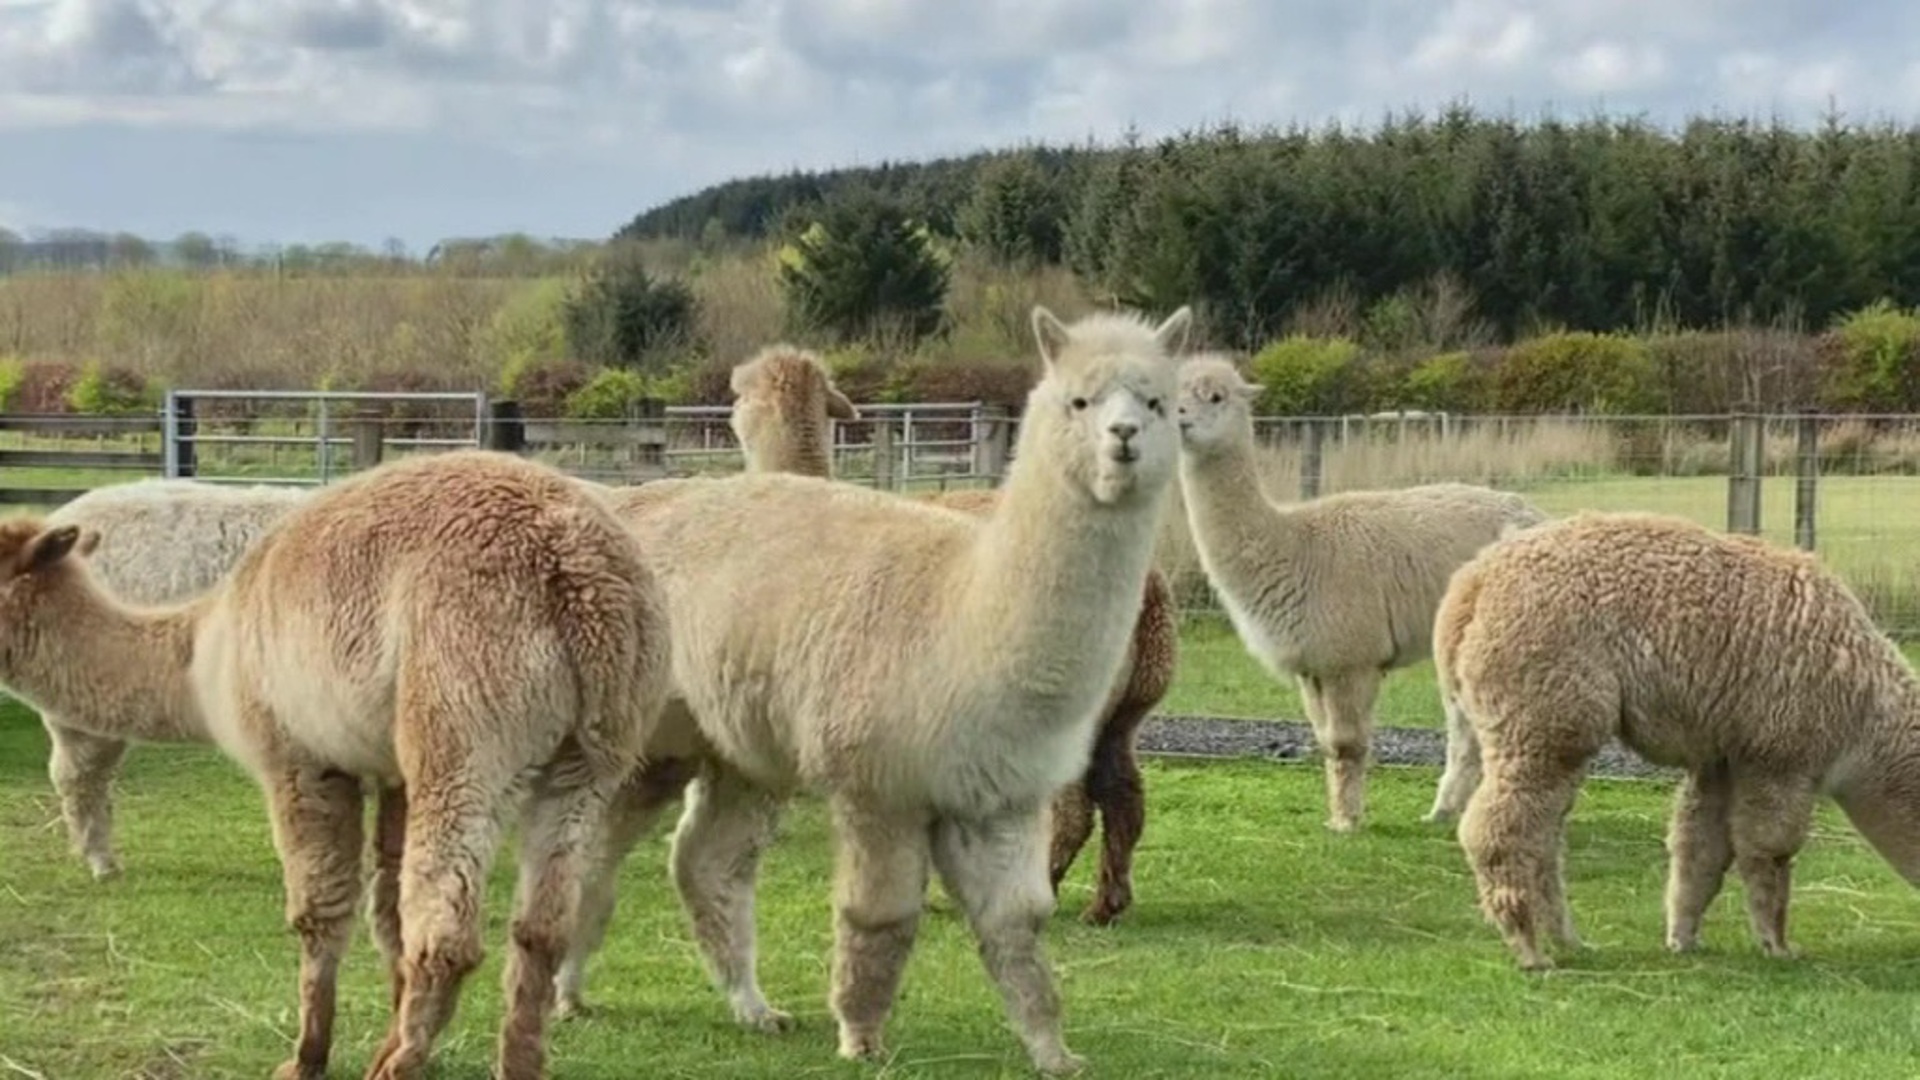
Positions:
(622, 103)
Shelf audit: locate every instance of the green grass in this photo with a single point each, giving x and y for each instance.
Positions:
(1261, 946)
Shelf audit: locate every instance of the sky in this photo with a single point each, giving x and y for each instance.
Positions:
(305, 121)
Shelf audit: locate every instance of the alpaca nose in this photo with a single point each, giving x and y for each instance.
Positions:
(1126, 429)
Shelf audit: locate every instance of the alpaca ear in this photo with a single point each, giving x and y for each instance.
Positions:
(89, 541)
(839, 407)
(1172, 334)
(1049, 332)
(48, 548)
(1252, 390)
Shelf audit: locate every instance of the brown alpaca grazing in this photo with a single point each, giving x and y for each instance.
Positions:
(1748, 665)
(464, 631)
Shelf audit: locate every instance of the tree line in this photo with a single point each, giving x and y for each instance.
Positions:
(1601, 224)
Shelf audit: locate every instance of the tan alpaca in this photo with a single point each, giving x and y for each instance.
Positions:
(783, 402)
(936, 675)
(471, 627)
(1333, 592)
(1745, 664)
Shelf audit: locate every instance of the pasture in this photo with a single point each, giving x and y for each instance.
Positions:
(1260, 946)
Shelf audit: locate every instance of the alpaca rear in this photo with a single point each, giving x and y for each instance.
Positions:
(459, 627)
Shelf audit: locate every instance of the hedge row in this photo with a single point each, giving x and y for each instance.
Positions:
(1868, 362)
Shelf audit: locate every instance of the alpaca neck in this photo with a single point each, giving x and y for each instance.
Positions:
(802, 457)
(1056, 574)
(1239, 533)
(1882, 795)
(108, 669)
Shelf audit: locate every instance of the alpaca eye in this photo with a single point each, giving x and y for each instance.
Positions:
(1079, 403)
(1155, 406)
(1216, 399)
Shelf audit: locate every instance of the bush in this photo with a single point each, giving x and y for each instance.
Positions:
(1576, 372)
(13, 372)
(531, 325)
(1449, 382)
(543, 387)
(1307, 376)
(103, 390)
(862, 270)
(1878, 364)
(622, 316)
(616, 393)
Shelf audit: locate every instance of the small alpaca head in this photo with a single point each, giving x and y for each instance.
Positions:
(1216, 404)
(1103, 411)
(33, 557)
(782, 389)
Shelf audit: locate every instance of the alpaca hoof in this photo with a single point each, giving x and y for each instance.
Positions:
(570, 1006)
(104, 867)
(860, 1045)
(1104, 911)
(1682, 945)
(1536, 962)
(1342, 825)
(764, 1019)
(296, 1069)
(1060, 1062)
(1438, 816)
(1778, 950)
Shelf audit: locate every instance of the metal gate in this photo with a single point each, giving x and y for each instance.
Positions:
(295, 436)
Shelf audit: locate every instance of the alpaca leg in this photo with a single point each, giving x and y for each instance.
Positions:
(1511, 833)
(1116, 787)
(82, 768)
(452, 831)
(1347, 701)
(1700, 849)
(383, 907)
(1462, 772)
(725, 827)
(318, 832)
(562, 816)
(880, 886)
(1072, 825)
(630, 817)
(1769, 820)
(996, 870)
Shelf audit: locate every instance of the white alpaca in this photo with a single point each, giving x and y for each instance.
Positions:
(465, 628)
(1333, 592)
(936, 675)
(162, 541)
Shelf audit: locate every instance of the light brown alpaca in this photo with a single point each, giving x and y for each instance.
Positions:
(1745, 664)
(935, 676)
(469, 627)
(784, 402)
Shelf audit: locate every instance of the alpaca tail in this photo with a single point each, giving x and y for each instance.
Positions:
(612, 616)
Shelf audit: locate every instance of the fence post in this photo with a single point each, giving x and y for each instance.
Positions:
(368, 443)
(178, 429)
(506, 431)
(1806, 475)
(990, 441)
(1744, 465)
(1311, 439)
(650, 441)
(883, 461)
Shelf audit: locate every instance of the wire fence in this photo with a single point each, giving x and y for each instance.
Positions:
(1846, 486)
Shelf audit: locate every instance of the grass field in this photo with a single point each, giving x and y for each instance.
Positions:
(1261, 946)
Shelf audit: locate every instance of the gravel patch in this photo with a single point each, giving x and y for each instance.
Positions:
(1288, 740)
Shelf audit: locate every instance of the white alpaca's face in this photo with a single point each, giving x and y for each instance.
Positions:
(1215, 403)
(1113, 400)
